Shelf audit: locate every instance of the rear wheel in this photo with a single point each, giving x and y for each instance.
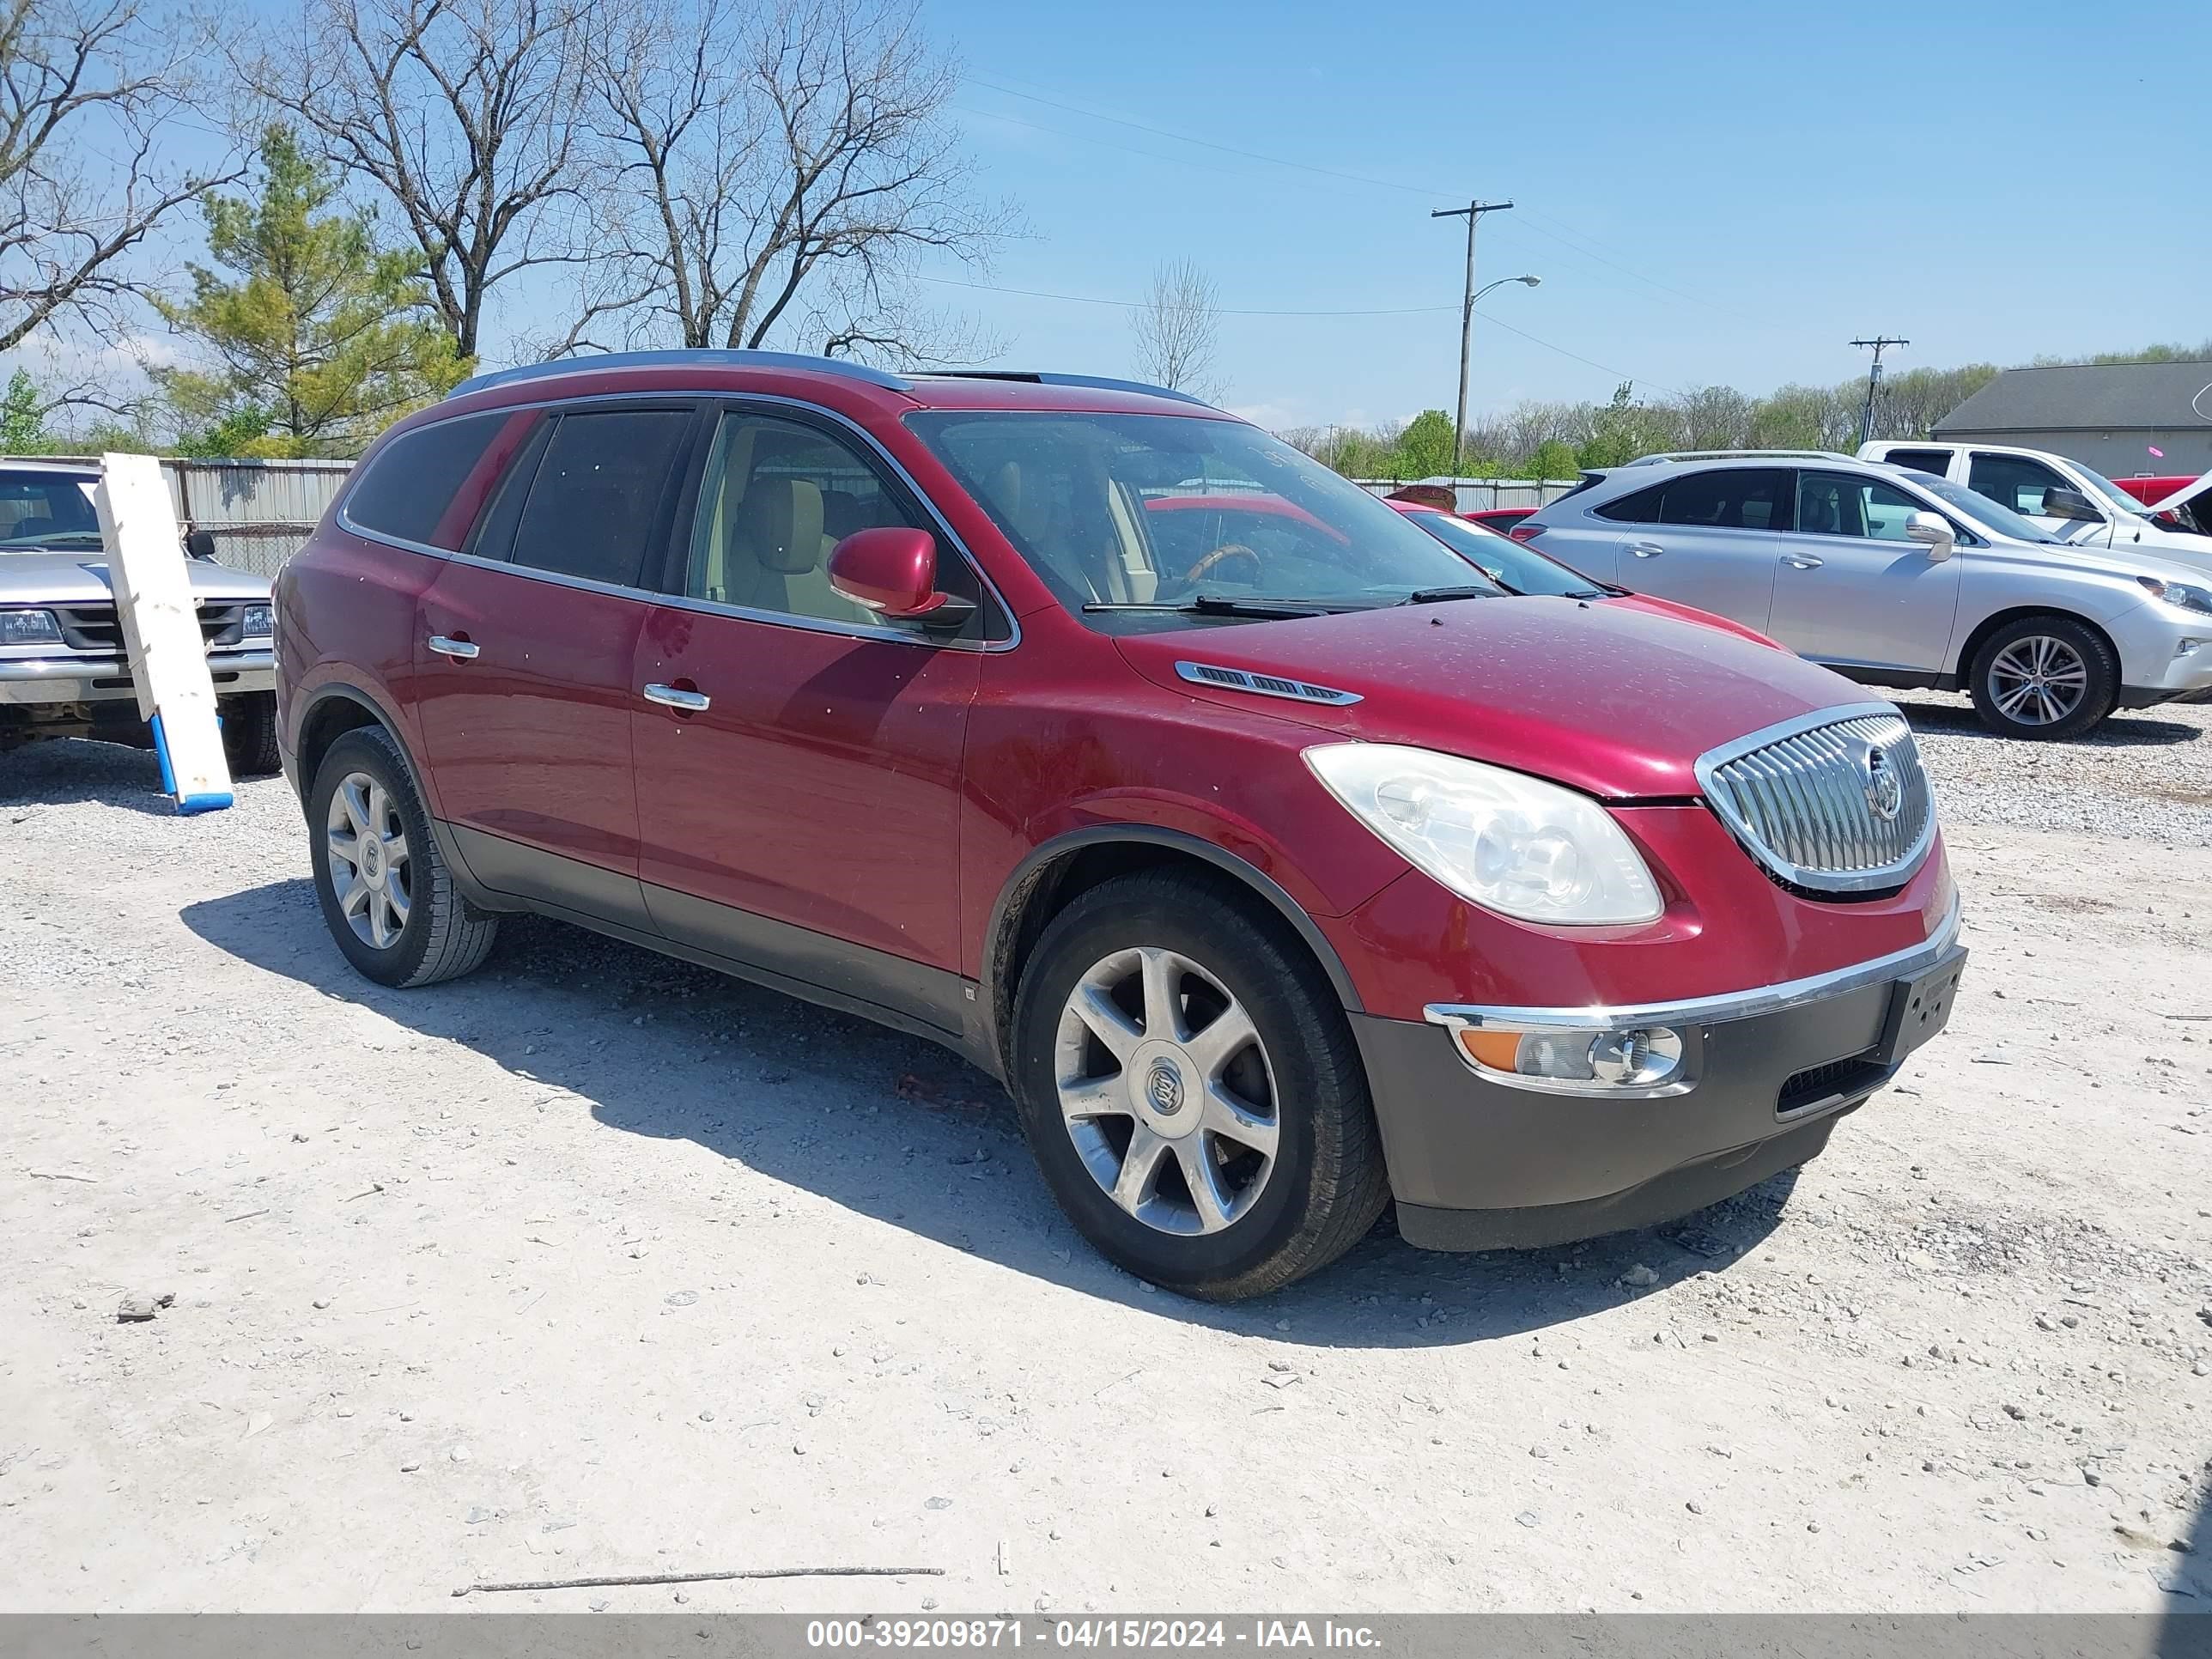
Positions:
(387, 895)
(1191, 1091)
(2044, 677)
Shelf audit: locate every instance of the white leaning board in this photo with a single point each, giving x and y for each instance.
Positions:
(161, 630)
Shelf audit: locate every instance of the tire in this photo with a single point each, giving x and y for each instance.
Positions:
(1296, 1083)
(249, 734)
(434, 933)
(2023, 673)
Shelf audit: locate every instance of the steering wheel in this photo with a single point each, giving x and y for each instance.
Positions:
(1226, 551)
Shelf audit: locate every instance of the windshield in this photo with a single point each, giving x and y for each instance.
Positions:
(1130, 518)
(2112, 492)
(1993, 516)
(1507, 561)
(38, 509)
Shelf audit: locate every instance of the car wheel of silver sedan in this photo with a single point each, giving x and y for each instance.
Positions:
(2044, 677)
(1190, 1087)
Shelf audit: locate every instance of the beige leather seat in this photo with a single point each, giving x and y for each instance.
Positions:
(777, 557)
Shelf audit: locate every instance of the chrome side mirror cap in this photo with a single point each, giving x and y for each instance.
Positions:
(1932, 530)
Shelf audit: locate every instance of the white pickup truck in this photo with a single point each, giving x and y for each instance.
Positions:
(2073, 503)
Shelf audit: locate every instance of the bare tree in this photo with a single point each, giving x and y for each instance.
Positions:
(464, 114)
(1178, 328)
(88, 90)
(779, 169)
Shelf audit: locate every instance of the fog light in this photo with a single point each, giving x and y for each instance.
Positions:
(2185, 646)
(1641, 1057)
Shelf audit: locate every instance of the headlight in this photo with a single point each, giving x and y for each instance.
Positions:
(1498, 839)
(2187, 598)
(29, 627)
(260, 622)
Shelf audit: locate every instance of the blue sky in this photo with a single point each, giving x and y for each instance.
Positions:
(1720, 192)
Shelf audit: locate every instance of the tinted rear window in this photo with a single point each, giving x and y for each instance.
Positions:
(1937, 461)
(595, 502)
(413, 488)
(1730, 498)
(1642, 507)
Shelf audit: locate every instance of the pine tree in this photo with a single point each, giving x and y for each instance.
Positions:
(321, 337)
(22, 421)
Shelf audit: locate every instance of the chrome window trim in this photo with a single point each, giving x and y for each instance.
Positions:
(1891, 874)
(1729, 1006)
(685, 601)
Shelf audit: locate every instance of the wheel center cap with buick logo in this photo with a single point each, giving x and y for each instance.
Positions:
(1885, 789)
(1164, 1088)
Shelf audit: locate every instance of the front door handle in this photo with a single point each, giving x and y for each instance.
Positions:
(1646, 550)
(460, 650)
(675, 696)
(1802, 562)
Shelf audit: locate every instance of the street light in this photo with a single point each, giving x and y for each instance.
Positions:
(1465, 350)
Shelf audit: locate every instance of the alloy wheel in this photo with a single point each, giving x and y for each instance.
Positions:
(2039, 680)
(370, 872)
(1166, 1090)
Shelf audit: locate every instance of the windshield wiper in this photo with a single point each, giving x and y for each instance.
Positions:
(1433, 595)
(1216, 605)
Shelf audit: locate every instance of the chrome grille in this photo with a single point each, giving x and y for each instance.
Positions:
(1835, 802)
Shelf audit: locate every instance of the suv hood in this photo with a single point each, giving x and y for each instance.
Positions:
(79, 578)
(1614, 701)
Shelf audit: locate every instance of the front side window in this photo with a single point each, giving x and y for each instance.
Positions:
(2014, 481)
(1729, 498)
(426, 485)
(46, 510)
(597, 493)
(777, 497)
(1844, 504)
(1145, 521)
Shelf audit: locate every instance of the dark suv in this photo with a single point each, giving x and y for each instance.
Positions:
(1276, 876)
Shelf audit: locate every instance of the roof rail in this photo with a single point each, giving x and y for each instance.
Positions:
(1667, 456)
(692, 359)
(1035, 377)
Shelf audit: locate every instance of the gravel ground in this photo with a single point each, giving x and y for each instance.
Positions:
(597, 1263)
(2141, 776)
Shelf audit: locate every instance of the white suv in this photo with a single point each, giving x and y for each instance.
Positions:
(1896, 577)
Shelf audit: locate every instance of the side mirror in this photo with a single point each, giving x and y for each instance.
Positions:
(2070, 504)
(892, 570)
(200, 545)
(1932, 530)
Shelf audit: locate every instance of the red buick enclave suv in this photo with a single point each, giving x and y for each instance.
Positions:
(1277, 878)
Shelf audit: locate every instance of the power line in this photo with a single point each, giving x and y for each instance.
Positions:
(1139, 305)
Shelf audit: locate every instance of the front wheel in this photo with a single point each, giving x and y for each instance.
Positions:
(1192, 1091)
(2044, 677)
(249, 734)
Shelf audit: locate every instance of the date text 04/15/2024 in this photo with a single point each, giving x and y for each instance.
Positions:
(1165, 1634)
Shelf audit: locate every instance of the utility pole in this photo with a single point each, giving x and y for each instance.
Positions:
(1880, 342)
(1470, 212)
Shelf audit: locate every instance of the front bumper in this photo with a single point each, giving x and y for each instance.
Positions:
(45, 680)
(1479, 1162)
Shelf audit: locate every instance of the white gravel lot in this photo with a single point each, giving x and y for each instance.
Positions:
(598, 1263)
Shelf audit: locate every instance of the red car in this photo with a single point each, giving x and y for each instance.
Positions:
(2181, 503)
(1521, 569)
(1275, 880)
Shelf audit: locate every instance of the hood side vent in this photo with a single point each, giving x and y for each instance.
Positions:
(1263, 685)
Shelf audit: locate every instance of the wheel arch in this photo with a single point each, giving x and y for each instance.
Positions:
(1056, 872)
(1979, 636)
(331, 711)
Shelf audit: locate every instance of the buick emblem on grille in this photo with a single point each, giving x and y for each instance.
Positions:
(1885, 790)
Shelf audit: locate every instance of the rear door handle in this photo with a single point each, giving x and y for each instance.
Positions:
(1646, 550)
(460, 650)
(1802, 562)
(673, 696)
